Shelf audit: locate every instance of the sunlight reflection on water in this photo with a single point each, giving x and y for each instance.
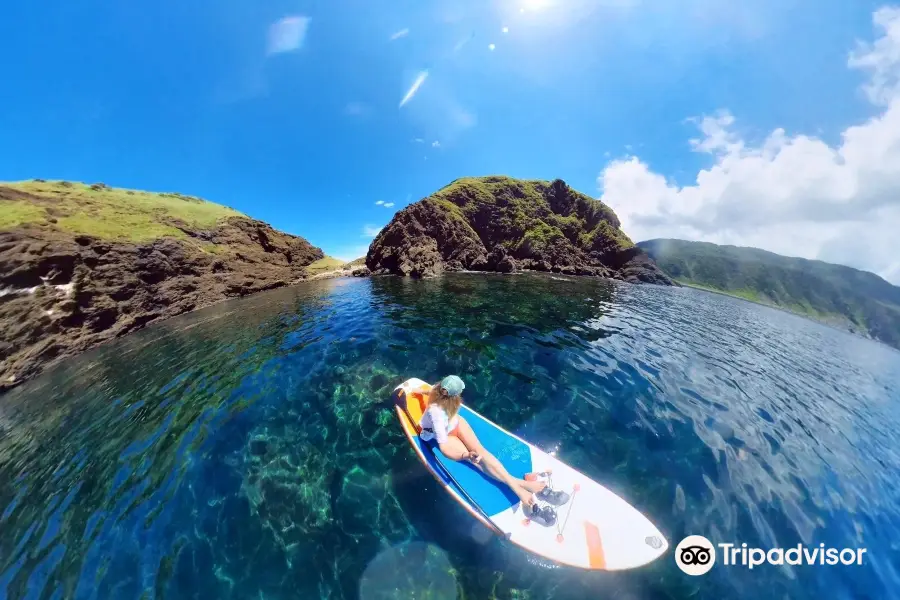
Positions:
(243, 450)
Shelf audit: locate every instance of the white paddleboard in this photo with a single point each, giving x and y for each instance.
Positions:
(595, 529)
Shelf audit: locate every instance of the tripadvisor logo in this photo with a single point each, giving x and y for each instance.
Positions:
(696, 555)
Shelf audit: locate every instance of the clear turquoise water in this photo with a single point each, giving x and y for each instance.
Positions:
(244, 451)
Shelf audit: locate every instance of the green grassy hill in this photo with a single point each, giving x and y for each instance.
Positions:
(835, 294)
(528, 216)
(323, 265)
(82, 264)
(499, 223)
(329, 263)
(105, 212)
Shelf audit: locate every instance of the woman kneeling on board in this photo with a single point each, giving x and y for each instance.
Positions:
(456, 440)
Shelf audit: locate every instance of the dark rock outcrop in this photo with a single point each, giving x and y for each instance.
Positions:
(505, 225)
(498, 260)
(61, 294)
(424, 242)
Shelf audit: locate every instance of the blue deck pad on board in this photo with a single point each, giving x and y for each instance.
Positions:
(493, 497)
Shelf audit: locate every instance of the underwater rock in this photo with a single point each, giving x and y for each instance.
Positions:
(288, 488)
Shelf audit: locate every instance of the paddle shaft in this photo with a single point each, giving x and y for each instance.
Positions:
(456, 483)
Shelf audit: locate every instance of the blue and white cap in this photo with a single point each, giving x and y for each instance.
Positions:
(453, 385)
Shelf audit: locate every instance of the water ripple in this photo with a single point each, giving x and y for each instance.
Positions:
(243, 451)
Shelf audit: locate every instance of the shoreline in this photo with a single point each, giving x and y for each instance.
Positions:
(783, 309)
(9, 383)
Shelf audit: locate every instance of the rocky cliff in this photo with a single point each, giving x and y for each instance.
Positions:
(504, 224)
(83, 264)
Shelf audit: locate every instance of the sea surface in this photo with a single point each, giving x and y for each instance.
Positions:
(246, 451)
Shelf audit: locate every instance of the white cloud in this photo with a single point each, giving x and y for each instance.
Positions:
(388, 204)
(400, 34)
(716, 135)
(287, 34)
(370, 231)
(379, 202)
(881, 58)
(419, 141)
(791, 194)
(492, 47)
(435, 144)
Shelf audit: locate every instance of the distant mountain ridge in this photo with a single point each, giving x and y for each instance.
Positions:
(835, 294)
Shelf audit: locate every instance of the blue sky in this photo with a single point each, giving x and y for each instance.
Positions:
(199, 97)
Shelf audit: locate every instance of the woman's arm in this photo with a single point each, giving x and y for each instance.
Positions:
(450, 446)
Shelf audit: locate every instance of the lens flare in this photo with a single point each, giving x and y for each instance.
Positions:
(420, 79)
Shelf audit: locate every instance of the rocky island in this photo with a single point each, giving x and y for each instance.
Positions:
(504, 224)
(80, 264)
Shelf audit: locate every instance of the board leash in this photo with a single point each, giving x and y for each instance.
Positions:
(559, 530)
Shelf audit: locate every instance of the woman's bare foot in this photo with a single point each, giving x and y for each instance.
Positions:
(524, 495)
(533, 486)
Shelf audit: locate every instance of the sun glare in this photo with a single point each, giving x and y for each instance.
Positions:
(535, 4)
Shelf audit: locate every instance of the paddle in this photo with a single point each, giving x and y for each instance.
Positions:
(400, 400)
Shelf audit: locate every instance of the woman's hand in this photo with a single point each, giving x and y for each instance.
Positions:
(473, 457)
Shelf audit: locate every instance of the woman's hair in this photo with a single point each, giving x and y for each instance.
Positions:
(439, 396)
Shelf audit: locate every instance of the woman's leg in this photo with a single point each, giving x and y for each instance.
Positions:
(493, 467)
(453, 448)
